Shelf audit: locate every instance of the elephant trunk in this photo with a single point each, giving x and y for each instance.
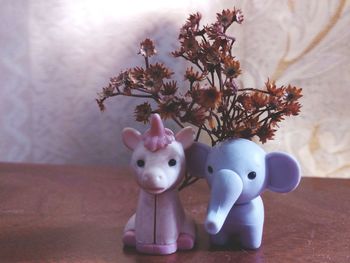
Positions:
(226, 187)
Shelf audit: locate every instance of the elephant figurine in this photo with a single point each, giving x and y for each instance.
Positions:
(238, 171)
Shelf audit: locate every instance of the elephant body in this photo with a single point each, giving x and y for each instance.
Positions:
(237, 172)
(245, 221)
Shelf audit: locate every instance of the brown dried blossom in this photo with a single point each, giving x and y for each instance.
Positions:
(158, 72)
(293, 93)
(265, 133)
(190, 44)
(168, 109)
(191, 27)
(231, 67)
(138, 74)
(259, 100)
(169, 88)
(197, 116)
(143, 112)
(192, 75)
(292, 109)
(238, 16)
(245, 101)
(215, 31)
(147, 48)
(193, 20)
(209, 97)
(226, 18)
(272, 88)
(100, 104)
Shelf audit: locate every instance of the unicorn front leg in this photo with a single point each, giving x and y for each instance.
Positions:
(129, 237)
(187, 234)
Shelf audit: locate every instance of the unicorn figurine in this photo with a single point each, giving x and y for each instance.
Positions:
(160, 225)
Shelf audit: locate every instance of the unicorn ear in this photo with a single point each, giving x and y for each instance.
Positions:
(131, 138)
(185, 137)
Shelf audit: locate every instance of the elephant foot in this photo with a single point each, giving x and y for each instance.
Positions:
(185, 241)
(156, 249)
(251, 236)
(129, 238)
(252, 245)
(220, 239)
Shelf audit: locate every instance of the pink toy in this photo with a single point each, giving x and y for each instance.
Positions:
(160, 225)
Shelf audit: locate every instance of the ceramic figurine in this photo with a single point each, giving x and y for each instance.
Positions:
(160, 225)
(237, 172)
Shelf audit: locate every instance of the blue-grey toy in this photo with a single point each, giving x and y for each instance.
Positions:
(238, 171)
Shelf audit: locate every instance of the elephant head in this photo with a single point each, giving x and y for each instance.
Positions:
(237, 172)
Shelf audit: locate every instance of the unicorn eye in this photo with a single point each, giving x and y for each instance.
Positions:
(172, 162)
(140, 163)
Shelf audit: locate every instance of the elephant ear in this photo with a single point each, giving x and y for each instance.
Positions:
(196, 157)
(283, 172)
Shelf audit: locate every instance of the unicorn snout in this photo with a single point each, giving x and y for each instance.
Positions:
(154, 178)
(154, 181)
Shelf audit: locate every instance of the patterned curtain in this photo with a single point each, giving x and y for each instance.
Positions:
(55, 55)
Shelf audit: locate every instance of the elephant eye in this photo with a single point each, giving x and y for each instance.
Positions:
(210, 169)
(172, 162)
(252, 175)
(140, 163)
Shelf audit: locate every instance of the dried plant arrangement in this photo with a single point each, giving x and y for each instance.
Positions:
(210, 98)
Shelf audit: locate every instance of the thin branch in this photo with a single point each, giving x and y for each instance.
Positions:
(198, 134)
(146, 62)
(188, 181)
(252, 89)
(131, 95)
(218, 73)
(177, 122)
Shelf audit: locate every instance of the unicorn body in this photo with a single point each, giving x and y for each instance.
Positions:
(160, 225)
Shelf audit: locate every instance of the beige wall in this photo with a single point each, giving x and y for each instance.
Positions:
(56, 54)
(307, 43)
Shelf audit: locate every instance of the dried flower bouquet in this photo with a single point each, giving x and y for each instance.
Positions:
(212, 100)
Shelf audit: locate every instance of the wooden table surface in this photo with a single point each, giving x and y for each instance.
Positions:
(77, 214)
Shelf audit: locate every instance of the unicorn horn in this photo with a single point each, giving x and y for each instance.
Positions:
(157, 127)
(157, 137)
